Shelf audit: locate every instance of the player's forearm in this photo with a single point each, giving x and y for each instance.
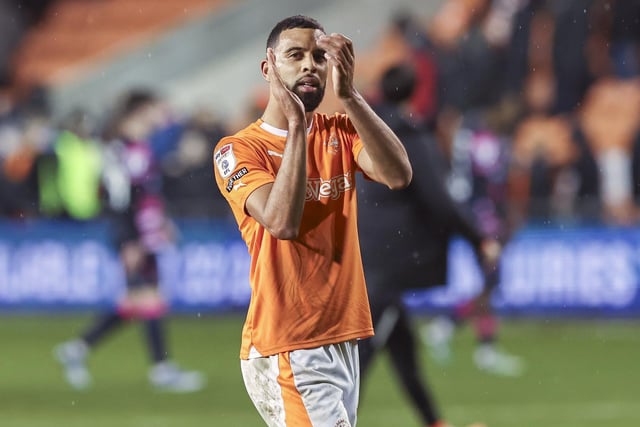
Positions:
(387, 153)
(283, 212)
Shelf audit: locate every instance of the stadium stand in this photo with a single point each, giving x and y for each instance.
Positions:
(75, 34)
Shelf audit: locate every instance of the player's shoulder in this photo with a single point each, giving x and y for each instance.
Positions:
(238, 135)
(250, 145)
(247, 137)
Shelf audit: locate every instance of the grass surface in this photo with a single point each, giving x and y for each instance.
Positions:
(578, 374)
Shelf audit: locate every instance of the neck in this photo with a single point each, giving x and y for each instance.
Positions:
(273, 115)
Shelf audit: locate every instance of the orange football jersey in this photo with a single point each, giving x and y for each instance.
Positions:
(310, 291)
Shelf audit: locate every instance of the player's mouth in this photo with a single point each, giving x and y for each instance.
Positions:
(308, 84)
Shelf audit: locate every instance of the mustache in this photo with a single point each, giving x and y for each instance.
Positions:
(308, 80)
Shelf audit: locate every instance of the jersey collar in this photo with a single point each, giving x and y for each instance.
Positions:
(280, 132)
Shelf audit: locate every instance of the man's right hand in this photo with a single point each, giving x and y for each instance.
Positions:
(291, 105)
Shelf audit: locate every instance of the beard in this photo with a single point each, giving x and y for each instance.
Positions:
(310, 100)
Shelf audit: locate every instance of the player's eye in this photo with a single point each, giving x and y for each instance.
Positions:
(318, 56)
(296, 55)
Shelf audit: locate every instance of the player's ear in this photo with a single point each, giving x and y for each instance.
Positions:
(264, 68)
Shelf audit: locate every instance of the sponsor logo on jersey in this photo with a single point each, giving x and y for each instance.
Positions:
(318, 188)
(238, 184)
(236, 176)
(225, 160)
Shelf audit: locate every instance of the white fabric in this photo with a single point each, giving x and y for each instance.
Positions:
(327, 378)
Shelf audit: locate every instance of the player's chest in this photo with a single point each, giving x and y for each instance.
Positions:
(326, 158)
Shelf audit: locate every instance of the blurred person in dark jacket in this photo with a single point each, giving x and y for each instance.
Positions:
(26, 131)
(478, 158)
(404, 238)
(143, 230)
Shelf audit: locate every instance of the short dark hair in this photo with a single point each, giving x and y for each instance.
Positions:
(135, 99)
(398, 83)
(296, 21)
(127, 104)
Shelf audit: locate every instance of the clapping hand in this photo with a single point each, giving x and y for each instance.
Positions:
(339, 52)
(289, 102)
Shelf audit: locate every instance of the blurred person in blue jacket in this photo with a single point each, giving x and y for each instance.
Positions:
(187, 172)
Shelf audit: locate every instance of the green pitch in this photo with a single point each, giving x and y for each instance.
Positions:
(579, 374)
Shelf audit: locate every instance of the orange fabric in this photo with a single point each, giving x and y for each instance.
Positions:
(294, 409)
(18, 165)
(309, 291)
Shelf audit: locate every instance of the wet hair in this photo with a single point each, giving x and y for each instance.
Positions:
(296, 21)
(398, 82)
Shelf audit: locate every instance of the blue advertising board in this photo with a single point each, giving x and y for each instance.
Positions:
(545, 271)
(57, 264)
(551, 271)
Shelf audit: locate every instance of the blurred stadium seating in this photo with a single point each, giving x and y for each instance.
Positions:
(74, 34)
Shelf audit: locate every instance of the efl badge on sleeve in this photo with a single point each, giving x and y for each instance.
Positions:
(225, 160)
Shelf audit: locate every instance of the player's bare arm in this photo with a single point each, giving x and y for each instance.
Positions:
(278, 206)
(383, 158)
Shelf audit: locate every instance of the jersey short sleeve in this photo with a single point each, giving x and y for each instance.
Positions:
(239, 170)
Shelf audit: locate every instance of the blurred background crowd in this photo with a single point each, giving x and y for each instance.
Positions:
(71, 169)
(535, 103)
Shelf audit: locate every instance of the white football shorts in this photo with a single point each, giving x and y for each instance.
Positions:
(316, 387)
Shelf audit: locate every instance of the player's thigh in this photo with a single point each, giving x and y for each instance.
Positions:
(316, 387)
(261, 381)
(328, 380)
